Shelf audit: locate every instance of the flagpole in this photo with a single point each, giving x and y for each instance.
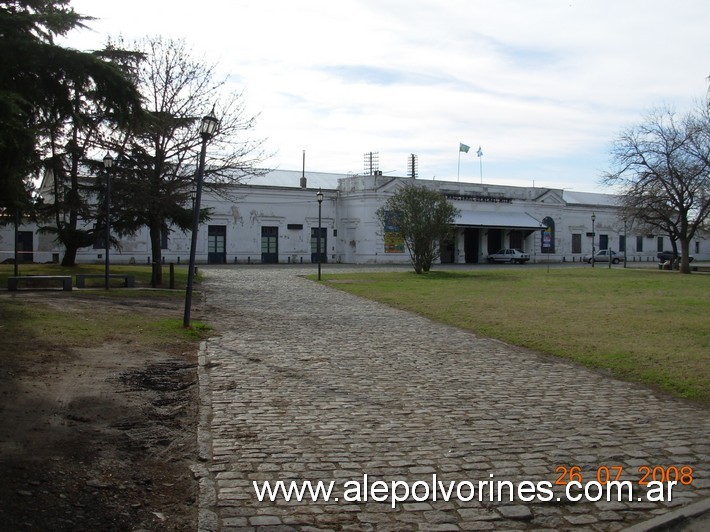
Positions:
(480, 161)
(458, 169)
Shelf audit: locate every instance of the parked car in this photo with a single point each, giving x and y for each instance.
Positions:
(665, 256)
(509, 255)
(603, 256)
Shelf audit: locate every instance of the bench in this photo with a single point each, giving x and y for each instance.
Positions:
(38, 282)
(129, 281)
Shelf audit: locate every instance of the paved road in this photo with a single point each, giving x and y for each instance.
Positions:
(308, 383)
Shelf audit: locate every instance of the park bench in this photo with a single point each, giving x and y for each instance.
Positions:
(129, 281)
(38, 282)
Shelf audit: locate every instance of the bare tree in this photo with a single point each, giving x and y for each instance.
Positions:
(662, 168)
(156, 163)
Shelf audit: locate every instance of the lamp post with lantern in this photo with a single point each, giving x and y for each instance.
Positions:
(594, 217)
(319, 197)
(207, 128)
(609, 253)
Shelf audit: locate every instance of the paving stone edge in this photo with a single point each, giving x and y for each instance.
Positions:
(207, 520)
(675, 517)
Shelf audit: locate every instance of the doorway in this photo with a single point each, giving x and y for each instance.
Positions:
(269, 245)
(323, 245)
(516, 240)
(495, 240)
(216, 244)
(25, 246)
(447, 252)
(470, 245)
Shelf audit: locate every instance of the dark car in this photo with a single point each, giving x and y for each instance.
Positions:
(665, 256)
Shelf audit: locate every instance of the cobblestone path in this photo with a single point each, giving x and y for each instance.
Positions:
(308, 383)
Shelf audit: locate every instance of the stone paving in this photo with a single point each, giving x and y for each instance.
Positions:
(308, 383)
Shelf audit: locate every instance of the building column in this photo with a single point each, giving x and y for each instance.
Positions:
(460, 247)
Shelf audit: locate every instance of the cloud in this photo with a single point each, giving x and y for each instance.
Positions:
(543, 86)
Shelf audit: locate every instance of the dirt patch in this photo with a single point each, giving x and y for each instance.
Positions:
(100, 437)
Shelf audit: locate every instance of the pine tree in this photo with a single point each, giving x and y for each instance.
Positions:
(40, 86)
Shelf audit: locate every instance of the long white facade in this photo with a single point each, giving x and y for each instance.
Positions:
(276, 220)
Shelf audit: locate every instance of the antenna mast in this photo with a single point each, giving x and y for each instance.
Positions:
(372, 163)
(412, 166)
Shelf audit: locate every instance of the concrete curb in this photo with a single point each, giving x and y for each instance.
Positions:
(674, 518)
(207, 518)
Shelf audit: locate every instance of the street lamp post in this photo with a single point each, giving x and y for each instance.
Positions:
(207, 129)
(594, 217)
(108, 164)
(17, 242)
(319, 197)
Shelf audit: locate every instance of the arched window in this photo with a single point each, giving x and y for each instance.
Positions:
(548, 236)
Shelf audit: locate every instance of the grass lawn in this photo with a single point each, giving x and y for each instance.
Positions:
(645, 326)
(86, 321)
(98, 320)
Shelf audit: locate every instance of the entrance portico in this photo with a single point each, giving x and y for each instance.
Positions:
(479, 233)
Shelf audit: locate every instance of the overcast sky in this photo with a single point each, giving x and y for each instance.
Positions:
(543, 86)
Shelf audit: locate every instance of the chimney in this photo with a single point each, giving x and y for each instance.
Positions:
(303, 172)
(303, 181)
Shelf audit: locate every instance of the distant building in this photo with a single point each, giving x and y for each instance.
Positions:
(274, 219)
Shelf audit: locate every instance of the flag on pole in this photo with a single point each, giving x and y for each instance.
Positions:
(463, 148)
(479, 152)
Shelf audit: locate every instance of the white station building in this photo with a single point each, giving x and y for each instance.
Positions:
(275, 219)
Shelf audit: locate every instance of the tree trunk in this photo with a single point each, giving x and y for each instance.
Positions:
(419, 263)
(73, 241)
(156, 255)
(70, 251)
(685, 255)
